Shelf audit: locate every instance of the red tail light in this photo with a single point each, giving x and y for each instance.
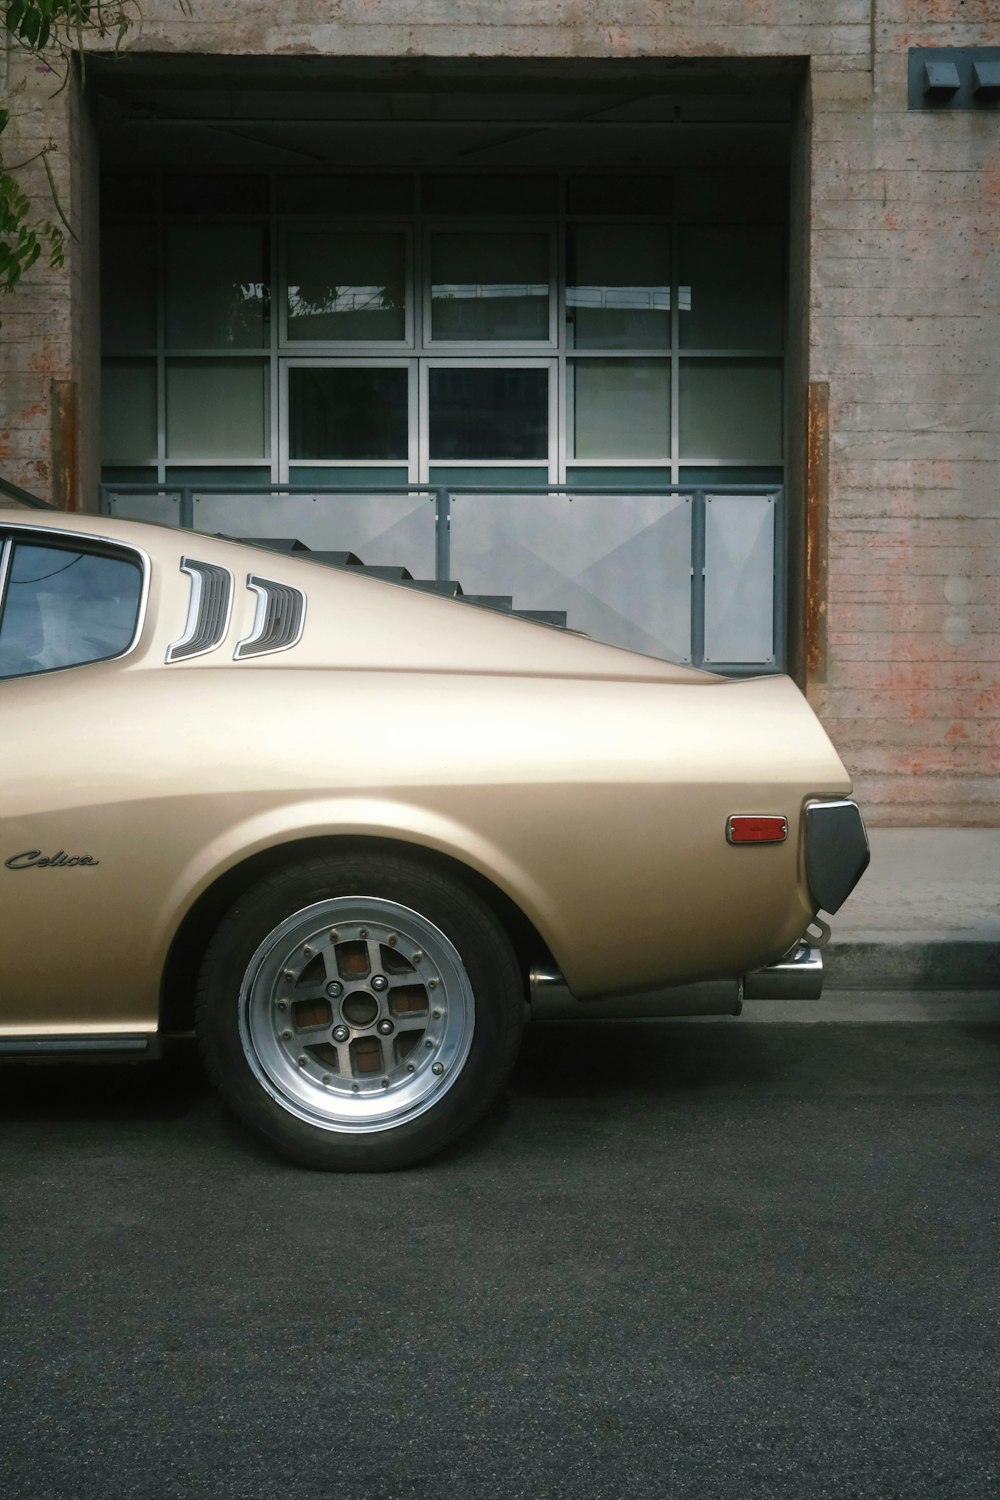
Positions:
(754, 828)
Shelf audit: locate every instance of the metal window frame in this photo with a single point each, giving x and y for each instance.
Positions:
(502, 348)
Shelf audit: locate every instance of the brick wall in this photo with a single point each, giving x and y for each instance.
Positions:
(903, 281)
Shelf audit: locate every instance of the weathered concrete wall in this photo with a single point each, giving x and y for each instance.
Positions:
(903, 277)
(905, 327)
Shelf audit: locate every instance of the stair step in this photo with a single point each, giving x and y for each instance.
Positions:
(500, 602)
(337, 559)
(379, 570)
(542, 616)
(448, 588)
(274, 543)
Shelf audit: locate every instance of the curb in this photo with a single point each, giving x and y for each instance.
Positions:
(947, 965)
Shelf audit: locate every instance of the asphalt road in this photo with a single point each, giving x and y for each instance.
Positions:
(713, 1259)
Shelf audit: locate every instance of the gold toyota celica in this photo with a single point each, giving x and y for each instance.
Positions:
(352, 834)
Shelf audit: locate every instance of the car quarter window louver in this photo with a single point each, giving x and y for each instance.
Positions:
(209, 610)
(278, 621)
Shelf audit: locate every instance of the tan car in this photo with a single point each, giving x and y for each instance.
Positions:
(352, 833)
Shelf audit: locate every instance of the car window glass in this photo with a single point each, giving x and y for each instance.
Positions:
(62, 607)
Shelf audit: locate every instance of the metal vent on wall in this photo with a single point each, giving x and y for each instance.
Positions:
(209, 609)
(278, 620)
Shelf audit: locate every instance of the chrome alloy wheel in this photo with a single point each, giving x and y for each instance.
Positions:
(356, 1014)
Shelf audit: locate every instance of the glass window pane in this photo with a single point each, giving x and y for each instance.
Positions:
(730, 410)
(464, 475)
(726, 196)
(484, 194)
(490, 414)
(215, 193)
(218, 474)
(217, 409)
(733, 285)
(128, 411)
(345, 193)
(347, 285)
(489, 286)
(128, 195)
(739, 579)
(63, 607)
(595, 479)
(128, 288)
(620, 408)
(351, 474)
(348, 413)
(622, 194)
(725, 474)
(216, 288)
(618, 286)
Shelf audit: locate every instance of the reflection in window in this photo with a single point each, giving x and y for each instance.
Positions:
(348, 413)
(347, 286)
(216, 286)
(489, 287)
(62, 608)
(618, 286)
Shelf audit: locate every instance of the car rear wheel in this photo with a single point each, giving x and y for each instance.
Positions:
(359, 1012)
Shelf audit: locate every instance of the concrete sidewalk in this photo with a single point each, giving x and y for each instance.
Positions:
(926, 915)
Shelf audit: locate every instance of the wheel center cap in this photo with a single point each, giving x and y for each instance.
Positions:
(360, 1009)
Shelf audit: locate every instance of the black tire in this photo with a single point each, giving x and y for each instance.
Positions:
(359, 1012)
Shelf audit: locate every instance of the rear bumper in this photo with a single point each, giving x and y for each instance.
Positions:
(836, 849)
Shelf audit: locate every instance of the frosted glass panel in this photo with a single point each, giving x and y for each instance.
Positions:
(739, 578)
(217, 409)
(128, 412)
(735, 282)
(730, 410)
(618, 287)
(128, 288)
(164, 509)
(489, 286)
(619, 567)
(619, 408)
(347, 285)
(217, 294)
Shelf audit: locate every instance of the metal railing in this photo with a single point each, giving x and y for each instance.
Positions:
(184, 500)
(25, 497)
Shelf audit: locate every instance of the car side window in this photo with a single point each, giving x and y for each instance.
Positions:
(61, 607)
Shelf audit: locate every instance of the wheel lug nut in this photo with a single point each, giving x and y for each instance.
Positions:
(286, 1036)
(326, 1078)
(362, 932)
(335, 989)
(418, 957)
(410, 1068)
(355, 1087)
(379, 982)
(385, 1083)
(302, 1062)
(282, 1004)
(392, 940)
(428, 1044)
(438, 1068)
(308, 952)
(334, 937)
(432, 984)
(436, 1015)
(386, 1028)
(288, 974)
(340, 1033)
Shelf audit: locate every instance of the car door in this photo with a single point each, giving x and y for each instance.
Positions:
(70, 610)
